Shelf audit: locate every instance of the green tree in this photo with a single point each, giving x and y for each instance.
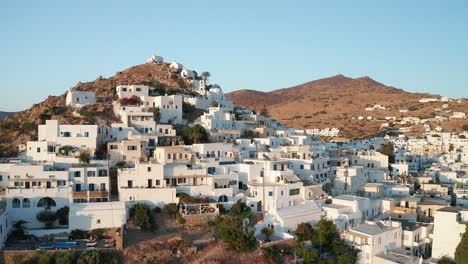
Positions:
(304, 232)
(268, 232)
(309, 255)
(196, 134)
(90, 257)
(241, 210)
(231, 230)
(141, 214)
(205, 75)
(326, 233)
(18, 229)
(461, 253)
(62, 215)
(85, 157)
(388, 149)
(347, 258)
(47, 217)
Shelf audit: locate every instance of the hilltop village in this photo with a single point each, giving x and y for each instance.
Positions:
(194, 155)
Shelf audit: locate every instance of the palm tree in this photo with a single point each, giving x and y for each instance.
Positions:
(205, 75)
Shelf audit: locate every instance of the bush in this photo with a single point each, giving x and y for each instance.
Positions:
(171, 209)
(79, 234)
(156, 210)
(231, 230)
(304, 232)
(181, 220)
(195, 134)
(47, 217)
(268, 232)
(141, 214)
(188, 108)
(66, 150)
(98, 232)
(121, 164)
(85, 157)
(241, 210)
(90, 257)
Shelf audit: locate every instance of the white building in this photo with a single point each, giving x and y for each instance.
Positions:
(449, 227)
(373, 238)
(79, 99)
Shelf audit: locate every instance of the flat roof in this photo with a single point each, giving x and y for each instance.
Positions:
(449, 209)
(371, 229)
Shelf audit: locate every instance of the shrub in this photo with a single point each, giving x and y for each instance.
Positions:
(47, 217)
(66, 150)
(195, 134)
(79, 234)
(170, 209)
(141, 214)
(121, 164)
(268, 232)
(85, 157)
(90, 257)
(240, 210)
(98, 232)
(304, 232)
(231, 230)
(188, 108)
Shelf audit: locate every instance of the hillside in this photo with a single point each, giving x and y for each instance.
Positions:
(334, 101)
(22, 126)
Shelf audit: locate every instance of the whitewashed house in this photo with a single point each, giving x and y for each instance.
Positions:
(78, 99)
(373, 238)
(449, 226)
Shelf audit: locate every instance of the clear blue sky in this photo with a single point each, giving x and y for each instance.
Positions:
(48, 46)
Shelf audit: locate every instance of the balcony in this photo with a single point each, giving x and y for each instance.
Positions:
(98, 194)
(90, 194)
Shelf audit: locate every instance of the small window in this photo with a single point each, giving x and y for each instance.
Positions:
(149, 169)
(98, 221)
(270, 194)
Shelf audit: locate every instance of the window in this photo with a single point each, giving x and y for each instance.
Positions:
(158, 182)
(301, 167)
(26, 203)
(270, 194)
(131, 147)
(38, 150)
(86, 134)
(91, 173)
(16, 203)
(149, 169)
(98, 221)
(1, 178)
(46, 202)
(77, 174)
(103, 187)
(102, 173)
(294, 191)
(114, 147)
(66, 134)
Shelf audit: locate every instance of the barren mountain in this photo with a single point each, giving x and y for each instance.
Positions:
(22, 126)
(334, 101)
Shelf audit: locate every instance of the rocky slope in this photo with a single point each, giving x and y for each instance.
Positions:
(22, 126)
(334, 101)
